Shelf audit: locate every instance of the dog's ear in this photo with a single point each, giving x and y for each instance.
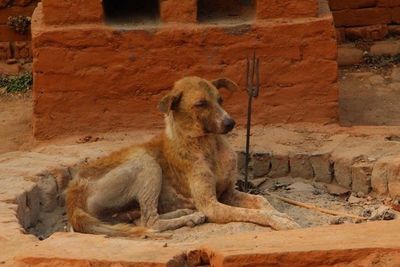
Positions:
(169, 102)
(225, 83)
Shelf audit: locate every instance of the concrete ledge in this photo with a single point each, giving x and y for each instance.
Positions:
(328, 246)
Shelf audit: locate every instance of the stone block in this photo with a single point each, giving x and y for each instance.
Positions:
(48, 192)
(379, 177)
(241, 161)
(361, 177)
(349, 56)
(28, 207)
(322, 167)
(261, 164)
(385, 48)
(300, 166)
(279, 166)
(342, 170)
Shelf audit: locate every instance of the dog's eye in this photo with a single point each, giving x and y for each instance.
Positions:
(220, 100)
(201, 104)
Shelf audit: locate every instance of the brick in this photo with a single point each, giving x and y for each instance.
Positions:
(178, 11)
(4, 3)
(5, 50)
(267, 9)
(340, 35)
(395, 15)
(361, 177)
(300, 166)
(22, 50)
(261, 164)
(388, 3)
(72, 12)
(349, 56)
(394, 29)
(362, 17)
(16, 11)
(22, 2)
(373, 32)
(326, 49)
(345, 4)
(9, 35)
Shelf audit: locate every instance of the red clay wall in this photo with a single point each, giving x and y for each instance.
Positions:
(13, 44)
(365, 19)
(94, 77)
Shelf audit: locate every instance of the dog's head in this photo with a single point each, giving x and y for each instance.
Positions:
(194, 106)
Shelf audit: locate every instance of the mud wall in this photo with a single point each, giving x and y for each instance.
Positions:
(12, 43)
(91, 76)
(365, 19)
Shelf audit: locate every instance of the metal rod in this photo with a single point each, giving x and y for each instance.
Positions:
(252, 91)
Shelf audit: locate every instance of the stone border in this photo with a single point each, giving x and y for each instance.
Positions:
(358, 173)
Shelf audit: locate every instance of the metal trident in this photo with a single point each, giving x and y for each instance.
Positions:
(253, 88)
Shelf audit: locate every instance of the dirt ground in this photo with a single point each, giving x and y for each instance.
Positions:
(298, 189)
(370, 96)
(15, 123)
(15, 134)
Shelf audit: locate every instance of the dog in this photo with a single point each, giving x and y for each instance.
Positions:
(182, 177)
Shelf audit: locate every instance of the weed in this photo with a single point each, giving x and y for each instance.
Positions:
(16, 84)
(20, 24)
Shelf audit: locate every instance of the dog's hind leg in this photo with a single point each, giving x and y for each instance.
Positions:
(168, 221)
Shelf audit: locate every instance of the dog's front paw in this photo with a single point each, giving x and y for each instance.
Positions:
(196, 219)
(281, 221)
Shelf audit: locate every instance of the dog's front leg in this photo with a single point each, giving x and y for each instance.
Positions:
(203, 189)
(236, 198)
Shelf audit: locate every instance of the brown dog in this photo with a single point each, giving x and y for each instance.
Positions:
(189, 167)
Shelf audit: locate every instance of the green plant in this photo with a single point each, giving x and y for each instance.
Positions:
(17, 84)
(20, 24)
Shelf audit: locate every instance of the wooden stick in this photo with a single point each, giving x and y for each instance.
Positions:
(312, 207)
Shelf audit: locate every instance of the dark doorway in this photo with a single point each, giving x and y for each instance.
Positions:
(131, 12)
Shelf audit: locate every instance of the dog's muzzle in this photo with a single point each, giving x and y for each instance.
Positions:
(228, 125)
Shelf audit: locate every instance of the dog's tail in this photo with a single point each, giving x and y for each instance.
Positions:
(83, 222)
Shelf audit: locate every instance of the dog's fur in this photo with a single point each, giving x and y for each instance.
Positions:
(189, 167)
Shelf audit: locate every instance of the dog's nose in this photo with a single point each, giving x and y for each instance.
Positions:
(229, 124)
